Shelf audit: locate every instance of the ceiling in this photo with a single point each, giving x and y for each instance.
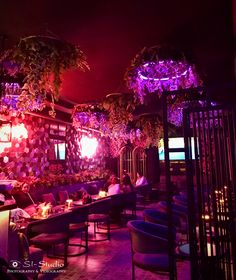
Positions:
(111, 32)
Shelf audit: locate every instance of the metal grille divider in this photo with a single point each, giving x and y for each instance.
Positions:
(211, 191)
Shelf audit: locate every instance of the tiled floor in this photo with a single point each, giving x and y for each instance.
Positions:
(110, 260)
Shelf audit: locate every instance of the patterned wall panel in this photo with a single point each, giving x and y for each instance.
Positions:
(29, 156)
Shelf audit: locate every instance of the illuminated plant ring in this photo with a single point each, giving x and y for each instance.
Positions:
(162, 68)
(158, 69)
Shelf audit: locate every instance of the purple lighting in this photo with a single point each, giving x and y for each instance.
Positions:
(163, 76)
(17, 100)
(163, 70)
(89, 116)
(20, 104)
(11, 88)
(94, 120)
(158, 69)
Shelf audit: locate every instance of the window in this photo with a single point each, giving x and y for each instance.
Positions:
(57, 134)
(57, 150)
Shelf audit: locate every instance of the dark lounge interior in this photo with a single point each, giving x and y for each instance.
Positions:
(117, 140)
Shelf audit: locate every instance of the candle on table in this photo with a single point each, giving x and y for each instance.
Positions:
(69, 202)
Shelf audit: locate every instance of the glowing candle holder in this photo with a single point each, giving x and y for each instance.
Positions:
(69, 203)
(102, 194)
(45, 210)
(206, 217)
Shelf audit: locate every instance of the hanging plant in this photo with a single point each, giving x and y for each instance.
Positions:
(41, 61)
(145, 131)
(162, 68)
(148, 130)
(158, 69)
(120, 108)
(90, 116)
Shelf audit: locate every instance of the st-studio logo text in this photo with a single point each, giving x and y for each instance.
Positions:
(27, 264)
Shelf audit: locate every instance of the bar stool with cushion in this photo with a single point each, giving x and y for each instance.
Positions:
(149, 246)
(99, 215)
(30, 253)
(19, 249)
(78, 224)
(50, 232)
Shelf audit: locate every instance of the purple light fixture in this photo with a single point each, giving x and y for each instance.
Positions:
(159, 69)
(163, 71)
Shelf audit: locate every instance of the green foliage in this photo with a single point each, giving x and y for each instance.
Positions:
(120, 108)
(41, 61)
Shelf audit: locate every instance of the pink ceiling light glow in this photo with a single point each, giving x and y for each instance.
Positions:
(88, 146)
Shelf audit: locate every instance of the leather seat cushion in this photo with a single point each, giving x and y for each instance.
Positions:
(47, 239)
(78, 227)
(98, 217)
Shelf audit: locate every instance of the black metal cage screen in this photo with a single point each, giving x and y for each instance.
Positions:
(211, 191)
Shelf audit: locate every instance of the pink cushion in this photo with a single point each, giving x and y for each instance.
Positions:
(98, 217)
(47, 239)
(77, 227)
